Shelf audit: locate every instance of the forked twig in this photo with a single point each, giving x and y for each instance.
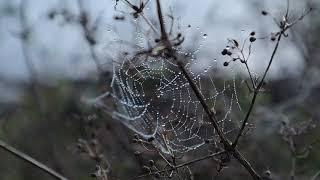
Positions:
(229, 148)
(181, 165)
(256, 92)
(200, 97)
(284, 26)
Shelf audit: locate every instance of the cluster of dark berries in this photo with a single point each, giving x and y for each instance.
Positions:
(226, 52)
(252, 38)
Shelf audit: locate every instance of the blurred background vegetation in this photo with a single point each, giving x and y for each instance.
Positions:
(41, 112)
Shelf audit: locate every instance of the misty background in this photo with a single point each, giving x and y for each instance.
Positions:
(57, 59)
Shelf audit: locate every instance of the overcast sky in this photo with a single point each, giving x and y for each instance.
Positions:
(59, 50)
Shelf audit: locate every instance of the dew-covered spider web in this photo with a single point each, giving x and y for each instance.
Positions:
(154, 99)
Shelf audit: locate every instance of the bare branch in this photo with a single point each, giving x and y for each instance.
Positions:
(31, 161)
(181, 165)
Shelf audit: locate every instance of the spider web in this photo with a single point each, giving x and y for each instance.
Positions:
(155, 100)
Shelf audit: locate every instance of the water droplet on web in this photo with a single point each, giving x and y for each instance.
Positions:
(171, 103)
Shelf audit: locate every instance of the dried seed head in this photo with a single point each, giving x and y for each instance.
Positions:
(151, 162)
(157, 175)
(137, 153)
(252, 33)
(146, 168)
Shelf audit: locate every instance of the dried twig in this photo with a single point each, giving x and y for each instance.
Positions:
(200, 97)
(181, 165)
(31, 161)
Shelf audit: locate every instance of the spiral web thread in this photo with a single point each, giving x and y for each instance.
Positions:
(155, 100)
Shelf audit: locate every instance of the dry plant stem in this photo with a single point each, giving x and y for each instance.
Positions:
(236, 154)
(88, 35)
(31, 161)
(247, 67)
(25, 40)
(315, 176)
(250, 75)
(182, 165)
(210, 114)
(161, 22)
(204, 104)
(257, 90)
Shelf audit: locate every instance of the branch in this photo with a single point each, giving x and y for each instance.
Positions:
(256, 91)
(315, 176)
(181, 165)
(24, 37)
(31, 161)
(224, 140)
(284, 25)
(88, 35)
